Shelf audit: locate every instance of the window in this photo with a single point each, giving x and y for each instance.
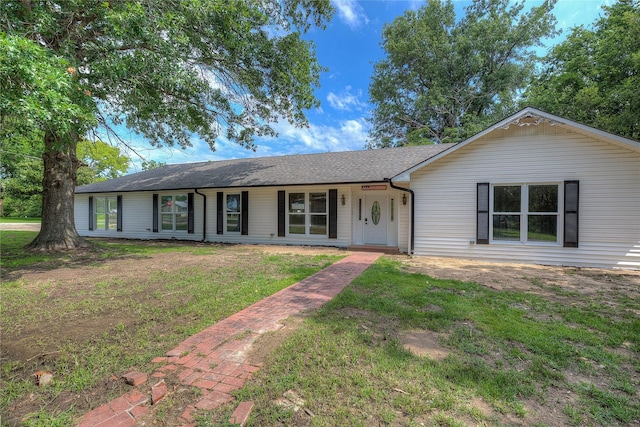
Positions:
(525, 213)
(233, 212)
(174, 214)
(308, 213)
(106, 213)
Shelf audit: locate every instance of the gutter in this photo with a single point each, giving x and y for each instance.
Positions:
(204, 212)
(413, 210)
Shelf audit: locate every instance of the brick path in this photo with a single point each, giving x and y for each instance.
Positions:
(214, 359)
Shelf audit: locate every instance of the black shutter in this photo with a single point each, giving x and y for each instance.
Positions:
(571, 202)
(90, 213)
(281, 213)
(155, 213)
(190, 210)
(119, 214)
(244, 213)
(482, 214)
(333, 214)
(220, 210)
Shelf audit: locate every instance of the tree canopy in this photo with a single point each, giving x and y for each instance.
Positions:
(167, 70)
(445, 79)
(594, 75)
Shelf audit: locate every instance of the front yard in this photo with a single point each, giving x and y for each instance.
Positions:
(413, 341)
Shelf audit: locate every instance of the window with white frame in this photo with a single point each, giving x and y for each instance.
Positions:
(525, 213)
(233, 212)
(106, 213)
(174, 214)
(308, 213)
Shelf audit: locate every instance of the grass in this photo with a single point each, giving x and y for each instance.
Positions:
(100, 325)
(8, 220)
(509, 352)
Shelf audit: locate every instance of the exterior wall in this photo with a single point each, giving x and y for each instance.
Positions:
(609, 223)
(137, 217)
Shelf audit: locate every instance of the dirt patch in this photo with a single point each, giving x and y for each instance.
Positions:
(423, 343)
(536, 279)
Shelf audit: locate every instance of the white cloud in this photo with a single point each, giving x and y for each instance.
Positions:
(351, 13)
(346, 100)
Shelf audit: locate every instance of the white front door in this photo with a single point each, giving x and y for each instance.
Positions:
(375, 220)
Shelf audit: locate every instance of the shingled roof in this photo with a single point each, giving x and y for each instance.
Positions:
(300, 169)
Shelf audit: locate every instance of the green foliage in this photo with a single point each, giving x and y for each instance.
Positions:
(171, 69)
(167, 70)
(147, 165)
(594, 75)
(445, 79)
(100, 161)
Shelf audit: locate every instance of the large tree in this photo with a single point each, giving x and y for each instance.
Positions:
(443, 78)
(166, 69)
(21, 170)
(594, 75)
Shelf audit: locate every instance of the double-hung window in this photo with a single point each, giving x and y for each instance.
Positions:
(233, 212)
(106, 213)
(525, 213)
(308, 213)
(174, 213)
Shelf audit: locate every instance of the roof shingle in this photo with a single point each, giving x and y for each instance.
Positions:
(300, 169)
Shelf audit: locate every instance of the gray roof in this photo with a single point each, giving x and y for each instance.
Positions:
(300, 169)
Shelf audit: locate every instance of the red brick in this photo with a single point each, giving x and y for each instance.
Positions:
(213, 400)
(135, 397)
(241, 414)
(225, 388)
(158, 392)
(135, 378)
(187, 413)
(233, 381)
(96, 416)
(119, 405)
(249, 368)
(120, 420)
(184, 374)
(184, 359)
(202, 383)
(159, 359)
(168, 368)
(176, 352)
(158, 375)
(138, 410)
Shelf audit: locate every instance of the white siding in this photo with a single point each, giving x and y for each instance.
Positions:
(137, 217)
(609, 215)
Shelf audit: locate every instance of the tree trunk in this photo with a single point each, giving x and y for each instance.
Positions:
(58, 229)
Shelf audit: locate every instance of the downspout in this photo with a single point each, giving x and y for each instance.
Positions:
(413, 210)
(204, 214)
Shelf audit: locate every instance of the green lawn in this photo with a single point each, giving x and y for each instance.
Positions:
(510, 352)
(7, 220)
(88, 319)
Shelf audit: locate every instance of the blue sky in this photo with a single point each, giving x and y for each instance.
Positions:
(348, 47)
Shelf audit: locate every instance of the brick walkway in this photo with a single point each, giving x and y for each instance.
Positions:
(214, 360)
